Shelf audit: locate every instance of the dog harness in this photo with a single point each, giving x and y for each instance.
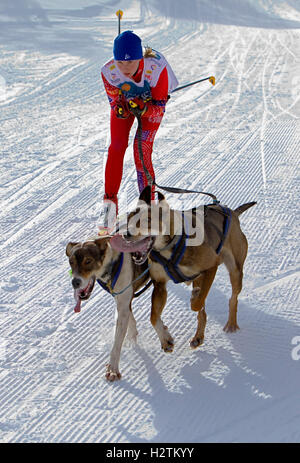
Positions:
(171, 265)
(115, 273)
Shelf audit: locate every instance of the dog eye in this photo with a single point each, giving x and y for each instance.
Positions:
(88, 261)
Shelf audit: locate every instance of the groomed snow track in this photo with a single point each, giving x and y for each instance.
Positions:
(239, 140)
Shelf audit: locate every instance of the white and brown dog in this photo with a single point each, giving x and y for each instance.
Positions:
(116, 272)
(178, 255)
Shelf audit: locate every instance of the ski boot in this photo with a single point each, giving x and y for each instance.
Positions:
(108, 215)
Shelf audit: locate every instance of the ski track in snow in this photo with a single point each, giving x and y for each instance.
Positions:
(239, 140)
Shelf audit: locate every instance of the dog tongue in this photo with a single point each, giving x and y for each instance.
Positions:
(118, 243)
(77, 307)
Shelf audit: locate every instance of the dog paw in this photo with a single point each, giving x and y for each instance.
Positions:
(231, 327)
(168, 345)
(196, 342)
(112, 375)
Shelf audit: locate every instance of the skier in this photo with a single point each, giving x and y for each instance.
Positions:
(137, 84)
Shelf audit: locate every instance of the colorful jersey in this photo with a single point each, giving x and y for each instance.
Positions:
(153, 67)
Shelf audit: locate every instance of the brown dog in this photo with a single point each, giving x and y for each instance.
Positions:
(177, 256)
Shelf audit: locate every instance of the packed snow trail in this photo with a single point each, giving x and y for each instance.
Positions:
(239, 140)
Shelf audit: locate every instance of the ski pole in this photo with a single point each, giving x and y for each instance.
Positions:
(211, 79)
(119, 13)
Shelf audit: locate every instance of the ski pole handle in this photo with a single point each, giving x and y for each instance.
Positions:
(119, 13)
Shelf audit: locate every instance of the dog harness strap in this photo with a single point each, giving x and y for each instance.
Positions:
(171, 268)
(103, 285)
(113, 293)
(226, 224)
(171, 265)
(118, 271)
(114, 276)
(141, 291)
(180, 247)
(155, 255)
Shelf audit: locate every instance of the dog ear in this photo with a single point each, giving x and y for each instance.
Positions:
(146, 195)
(101, 243)
(69, 248)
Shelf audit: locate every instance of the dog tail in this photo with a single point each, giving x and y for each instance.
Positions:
(244, 207)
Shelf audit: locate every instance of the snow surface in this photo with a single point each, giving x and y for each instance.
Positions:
(239, 140)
